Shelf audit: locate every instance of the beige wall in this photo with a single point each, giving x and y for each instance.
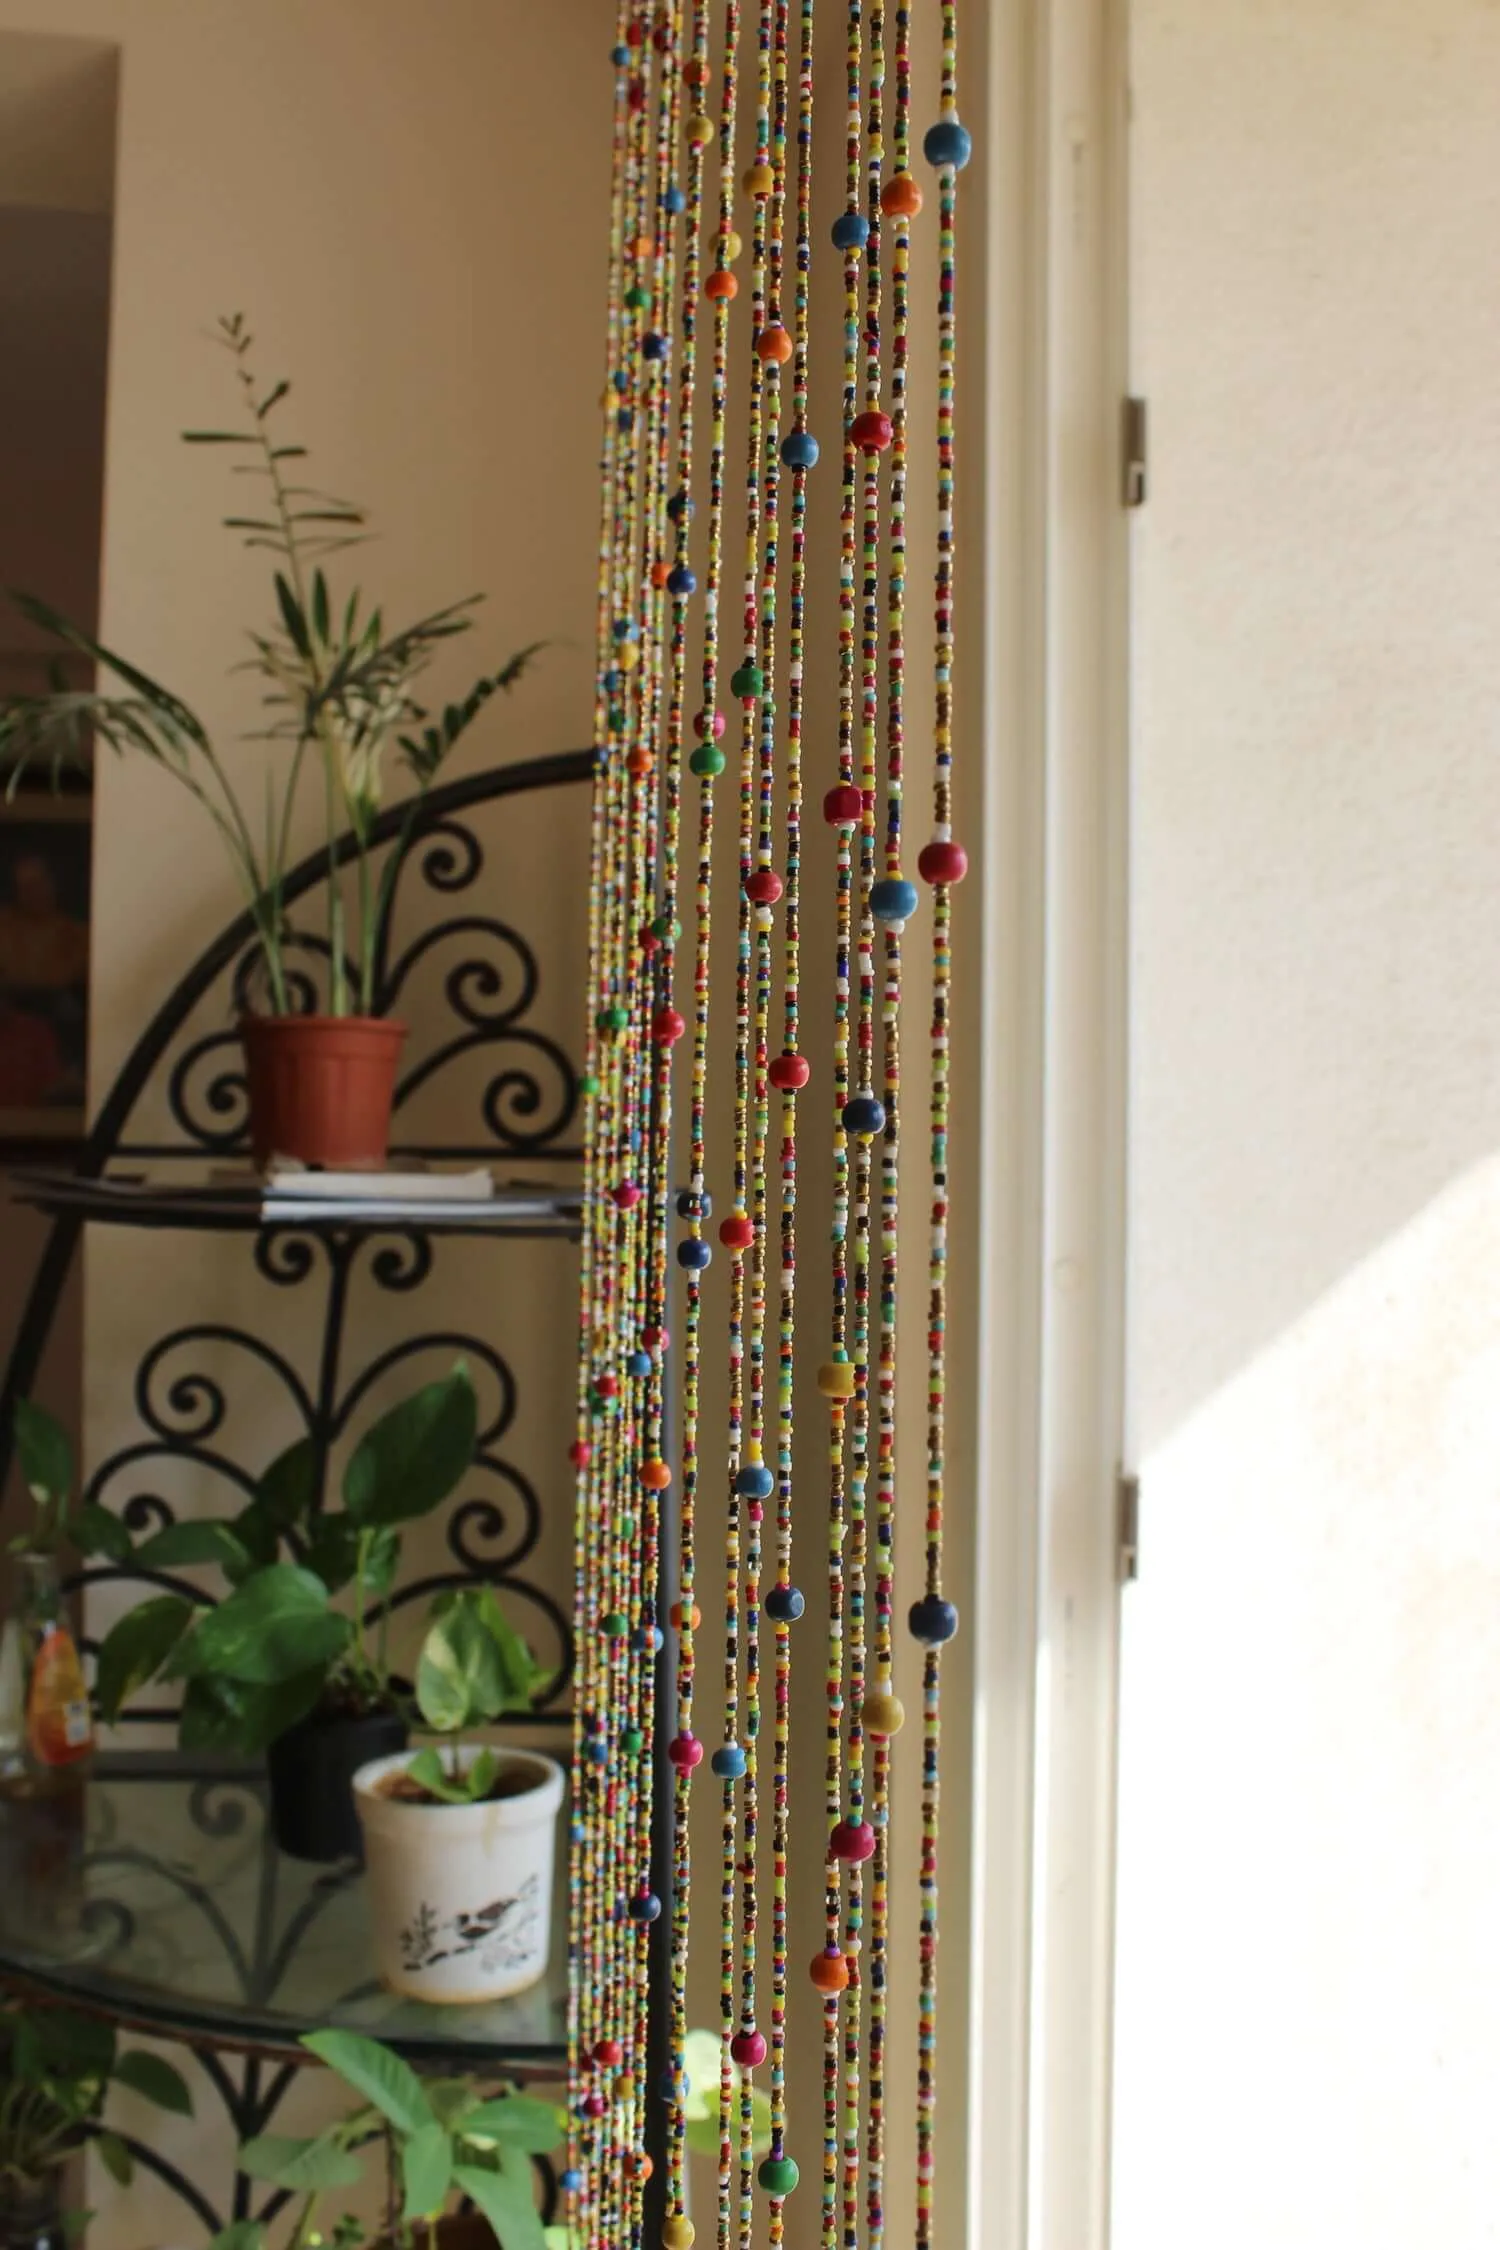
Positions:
(1307, 2051)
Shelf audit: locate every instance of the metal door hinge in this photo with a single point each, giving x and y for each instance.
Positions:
(1134, 474)
(1128, 1503)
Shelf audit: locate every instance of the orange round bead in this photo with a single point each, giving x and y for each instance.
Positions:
(655, 1475)
(721, 286)
(660, 573)
(774, 345)
(829, 1972)
(643, 246)
(676, 1615)
(638, 2165)
(639, 764)
(901, 197)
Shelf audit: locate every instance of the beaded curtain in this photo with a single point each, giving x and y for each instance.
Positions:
(764, 475)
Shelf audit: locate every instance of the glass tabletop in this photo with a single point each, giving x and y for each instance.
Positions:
(154, 1893)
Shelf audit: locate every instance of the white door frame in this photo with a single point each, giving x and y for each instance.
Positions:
(1052, 1020)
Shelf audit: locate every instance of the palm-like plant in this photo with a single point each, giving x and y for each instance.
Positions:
(338, 689)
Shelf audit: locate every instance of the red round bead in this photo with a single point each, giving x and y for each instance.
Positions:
(580, 1453)
(608, 2053)
(607, 1386)
(871, 431)
(667, 1027)
(737, 1232)
(626, 1196)
(942, 863)
(852, 1840)
(774, 346)
(660, 573)
(651, 1338)
(636, 95)
(700, 724)
(695, 74)
(763, 888)
(685, 1752)
(748, 2049)
(843, 805)
(789, 1072)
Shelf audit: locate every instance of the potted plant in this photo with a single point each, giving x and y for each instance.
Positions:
(56, 2069)
(273, 1667)
(438, 2140)
(460, 1840)
(337, 690)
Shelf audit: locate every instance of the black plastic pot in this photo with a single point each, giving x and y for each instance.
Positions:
(31, 2214)
(312, 1768)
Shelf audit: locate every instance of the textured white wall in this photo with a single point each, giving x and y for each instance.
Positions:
(1308, 1968)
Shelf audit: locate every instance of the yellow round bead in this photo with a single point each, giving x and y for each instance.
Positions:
(759, 180)
(882, 1713)
(836, 1378)
(677, 2234)
(732, 248)
(700, 130)
(628, 655)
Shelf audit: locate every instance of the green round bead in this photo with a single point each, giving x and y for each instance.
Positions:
(588, 1085)
(632, 1742)
(666, 930)
(747, 681)
(616, 1625)
(707, 759)
(637, 298)
(778, 2175)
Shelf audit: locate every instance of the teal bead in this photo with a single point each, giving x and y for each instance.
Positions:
(778, 2175)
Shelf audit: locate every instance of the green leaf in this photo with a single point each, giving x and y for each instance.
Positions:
(372, 2070)
(244, 2234)
(222, 1714)
(320, 606)
(519, 2120)
(115, 2157)
(292, 617)
(426, 2170)
(258, 1538)
(428, 1771)
(506, 2202)
(155, 2080)
(218, 437)
(94, 1530)
(411, 1459)
(272, 398)
(202, 1542)
(288, 1490)
(45, 1455)
(274, 1628)
(306, 2166)
(137, 1648)
(62, 2043)
(333, 1550)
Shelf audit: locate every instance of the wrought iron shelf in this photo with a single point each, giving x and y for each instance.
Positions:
(124, 1199)
(154, 1894)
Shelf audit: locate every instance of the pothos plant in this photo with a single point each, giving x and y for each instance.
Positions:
(45, 1454)
(435, 2140)
(56, 2071)
(274, 1649)
(338, 694)
(474, 1668)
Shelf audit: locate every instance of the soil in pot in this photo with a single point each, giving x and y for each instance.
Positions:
(509, 1781)
(312, 1769)
(320, 1087)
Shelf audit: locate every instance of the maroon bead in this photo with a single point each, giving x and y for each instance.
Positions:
(667, 1027)
(607, 1385)
(843, 805)
(654, 1339)
(608, 2054)
(852, 1840)
(763, 888)
(580, 1453)
(700, 724)
(871, 431)
(594, 2105)
(626, 1196)
(748, 2049)
(737, 1232)
(942, 863)
(685, 1752)
(789, 1072)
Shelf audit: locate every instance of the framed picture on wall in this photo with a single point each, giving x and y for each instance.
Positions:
(44, 968)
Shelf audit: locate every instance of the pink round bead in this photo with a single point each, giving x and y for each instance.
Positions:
(701, 722)
(748, 2049)
(626, 1196)
(852, 1840)
(685, 1752)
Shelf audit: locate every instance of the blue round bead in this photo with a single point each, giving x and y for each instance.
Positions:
(681, 580)
(620, 57)
(728, 1761)
(932, 1620)
(613, 681)
(625, 420)
(694, 1254)
(599, 1752)
(680, 505)
(893, 899)
(755, 1482)
(647, 1641)
(851, 230)
(640, 1363)
(784, 1605)
(864, 1113)
(695, 1203)
(799, 450)
(668, 2086)
(626, 629)
(674, 201)
(947, 142)
(620, 379)
(653, 345)
(644, 1907)
(571, 2181)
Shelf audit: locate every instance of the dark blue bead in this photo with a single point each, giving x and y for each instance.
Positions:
(680, 505)
(644, 1908)
(694, 1254)
(755, 1482)
(864, 1113)
(681, 580)
(653, 345)
(571, 2181)
(947, 142)
(624, 420)
(695, 1203)
(598, 1752)
(893, 899)
(784, 1605)
(640, 1363)
(674, 200)
(613, 682)
(851, 230)
(728, 1761)
(932, 1620)
(620, 57)
(626, 629)
(800, 450)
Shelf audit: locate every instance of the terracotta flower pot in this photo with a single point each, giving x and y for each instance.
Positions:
(320, 1087)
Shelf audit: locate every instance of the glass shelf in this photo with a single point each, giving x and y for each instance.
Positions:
(135, 1199)
(155, 1895)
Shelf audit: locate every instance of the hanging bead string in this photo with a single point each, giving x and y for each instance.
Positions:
(834, 1970)
(942, 863)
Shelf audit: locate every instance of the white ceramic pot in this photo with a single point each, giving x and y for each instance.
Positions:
(461, 1895)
